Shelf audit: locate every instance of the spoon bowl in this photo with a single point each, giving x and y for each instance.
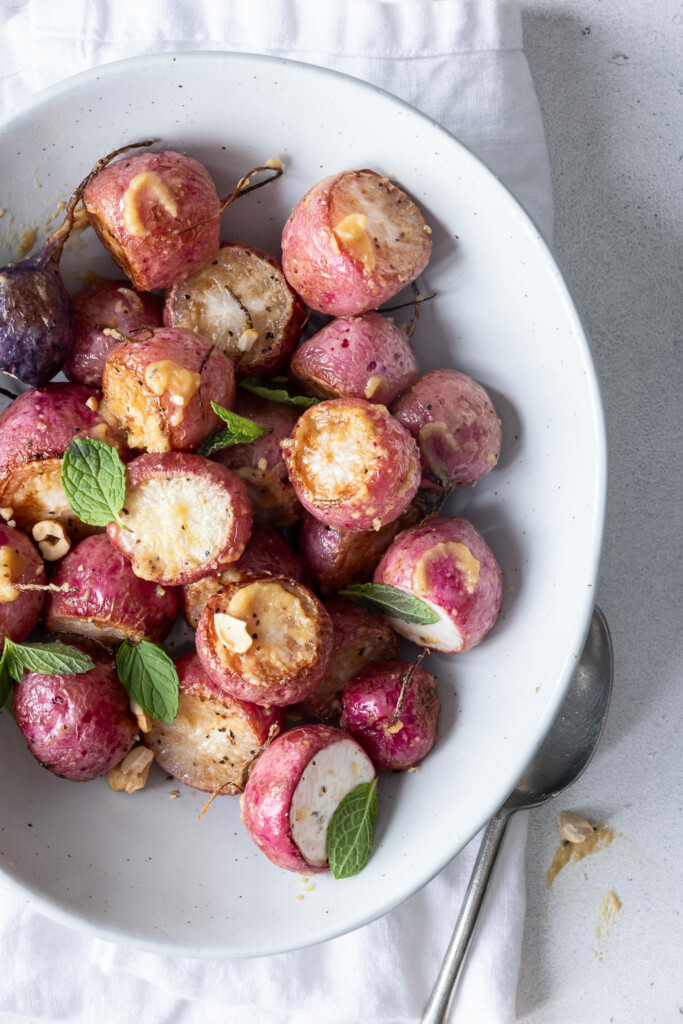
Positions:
(563, 756)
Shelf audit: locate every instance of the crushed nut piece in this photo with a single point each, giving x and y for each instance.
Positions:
(93, 404)
(574, 828)
(247, 340)
(174, 794)
(396, 727)
(7, 513)
(142, 718)
(131, 774)
(51, 538)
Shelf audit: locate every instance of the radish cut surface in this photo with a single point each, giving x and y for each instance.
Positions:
(332, 773)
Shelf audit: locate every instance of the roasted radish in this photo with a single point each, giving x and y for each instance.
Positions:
(77, 726)
(359, 639)
(260, 464)
(295, 788)
(157, 214)
(242, 303)
(266, 554)
(356, 357)
(20, 563)
(184, 517)
(104, 599)
(448, 565)
(101, 308)
(265, 639)
(35, 431)
(340, 557)
(453, 420)
(214, 739)
(352, 465)
(352, 242)
(158, 391)
(392, 708)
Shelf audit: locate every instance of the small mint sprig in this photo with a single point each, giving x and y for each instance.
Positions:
(388, 600)
(55, 659)
(278, 391)
(149, 678)
(237, 430)
(94, 481)
(351, 831)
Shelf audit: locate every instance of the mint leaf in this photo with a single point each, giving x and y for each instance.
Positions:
(351, 831)
(5, 683)
(94, 480)
(278, 391)
(150, 678)
(238, 430)
(49, 659)
(388, 600)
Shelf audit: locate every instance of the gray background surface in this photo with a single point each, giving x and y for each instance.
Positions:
(609, 77)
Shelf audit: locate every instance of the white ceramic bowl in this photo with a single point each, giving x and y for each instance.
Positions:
(143, 869)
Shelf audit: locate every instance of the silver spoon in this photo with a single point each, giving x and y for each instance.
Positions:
(563, 756)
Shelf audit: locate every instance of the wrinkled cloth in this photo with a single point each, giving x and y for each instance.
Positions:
(460, 61)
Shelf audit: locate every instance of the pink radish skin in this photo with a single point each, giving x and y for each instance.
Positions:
(449, 565)
(356, 357)
(266, 554)
(359, 639)
(267, 799)
(186, 516)
(20, 615)
(324, 270)
(35, 431)
(352, 465)
(79, 726)
(110, 602)
(261, 464)
(142, 207)
(369, 706)
(291, 640)
(243, 288)
(453, 420)
(159, 391)
(338, 558)
(214, 739)
(105, 304)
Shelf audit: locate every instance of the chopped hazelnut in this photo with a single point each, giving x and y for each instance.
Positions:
(131, 774)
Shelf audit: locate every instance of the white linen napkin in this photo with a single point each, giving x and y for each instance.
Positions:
(461, 62)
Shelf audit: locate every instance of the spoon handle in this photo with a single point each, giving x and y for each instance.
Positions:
(437, 1007)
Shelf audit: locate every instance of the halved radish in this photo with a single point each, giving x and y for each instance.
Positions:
(184, 516)
(359, 639)
(265, 639)
(35, 431)
(353, 466)
(105, 600)
(158, 391)
(19, 563)
(352, 242)
(242, 303)
(449, 566)
(214, 739)
(294, 789)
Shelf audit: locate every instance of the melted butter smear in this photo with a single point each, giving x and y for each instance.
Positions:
(600, 839)
(610, 907)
